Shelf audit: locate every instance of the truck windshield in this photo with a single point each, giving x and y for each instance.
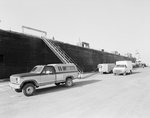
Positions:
(120, 65)
(37, 69)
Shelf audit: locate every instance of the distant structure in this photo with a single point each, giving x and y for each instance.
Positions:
(83, 44)
(115, 52)
(53, 38)
(138, 57)
(42, 33)
(128, 55)
(102, 50)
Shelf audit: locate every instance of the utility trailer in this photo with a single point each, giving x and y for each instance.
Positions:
(106, 68)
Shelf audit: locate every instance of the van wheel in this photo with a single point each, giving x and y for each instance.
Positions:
(124, 73)
(69, 82)
(57, 84)
(18, 90)
(130, 71)
(28, 89)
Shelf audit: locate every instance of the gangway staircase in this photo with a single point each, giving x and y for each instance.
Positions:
(61, 54)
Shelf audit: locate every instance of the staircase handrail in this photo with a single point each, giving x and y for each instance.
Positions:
(53, 50)
(60, 53)
(65, 54)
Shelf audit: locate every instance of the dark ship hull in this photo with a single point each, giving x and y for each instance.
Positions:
(20, 53)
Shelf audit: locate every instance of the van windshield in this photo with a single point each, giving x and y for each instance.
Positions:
(37, 69)
(122, 66)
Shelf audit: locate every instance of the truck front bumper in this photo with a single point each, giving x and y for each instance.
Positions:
(118, 72)
(14, 86)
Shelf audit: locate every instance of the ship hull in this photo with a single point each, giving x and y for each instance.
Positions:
(19, 53)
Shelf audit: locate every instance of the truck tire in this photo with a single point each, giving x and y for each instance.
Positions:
(18, 90)
(69, 82)
(28, 89)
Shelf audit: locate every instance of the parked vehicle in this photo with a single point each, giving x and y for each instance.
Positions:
(123, 67)
(106, 68)
(42, 75)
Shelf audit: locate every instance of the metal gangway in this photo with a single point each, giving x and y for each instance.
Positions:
(61, 54)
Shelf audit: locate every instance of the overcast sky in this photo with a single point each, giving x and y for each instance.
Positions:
(112, 25)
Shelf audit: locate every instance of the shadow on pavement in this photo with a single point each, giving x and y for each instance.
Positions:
(128, 74)
(63, 87)
(89, 75)
(135, 72)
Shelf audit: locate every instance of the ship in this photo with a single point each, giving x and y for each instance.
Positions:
(20, 52)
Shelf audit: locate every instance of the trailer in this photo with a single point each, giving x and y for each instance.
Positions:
(106, 68)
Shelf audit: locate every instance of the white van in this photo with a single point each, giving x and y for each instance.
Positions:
(123, 67)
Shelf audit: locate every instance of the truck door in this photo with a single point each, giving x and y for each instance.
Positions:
(48, 75)
(59, 77)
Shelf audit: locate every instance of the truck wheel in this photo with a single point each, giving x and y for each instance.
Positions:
(18, 90)
(57, 84)
(69, 82)
(124, 73)
(28, 89)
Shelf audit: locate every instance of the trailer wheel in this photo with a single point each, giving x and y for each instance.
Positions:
(124, 73)
(28, 89)
(69, 82)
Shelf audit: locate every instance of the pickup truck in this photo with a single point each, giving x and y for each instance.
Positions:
(42, 75)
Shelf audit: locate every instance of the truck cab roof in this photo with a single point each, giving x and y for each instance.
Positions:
(68, 64)
(70, 67)
(64, 67)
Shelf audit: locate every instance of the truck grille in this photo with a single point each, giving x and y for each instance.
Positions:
(118, 71)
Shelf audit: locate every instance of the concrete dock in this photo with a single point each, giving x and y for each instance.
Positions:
(95, 96)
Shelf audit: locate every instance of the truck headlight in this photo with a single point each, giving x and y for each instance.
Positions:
(17, 80)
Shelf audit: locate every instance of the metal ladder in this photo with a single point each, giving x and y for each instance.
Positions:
(61, 54)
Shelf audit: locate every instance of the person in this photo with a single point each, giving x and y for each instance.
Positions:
(143, 65)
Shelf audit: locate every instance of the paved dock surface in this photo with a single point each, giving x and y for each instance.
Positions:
(95, 96)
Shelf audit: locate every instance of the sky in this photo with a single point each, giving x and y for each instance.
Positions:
(112, 25)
